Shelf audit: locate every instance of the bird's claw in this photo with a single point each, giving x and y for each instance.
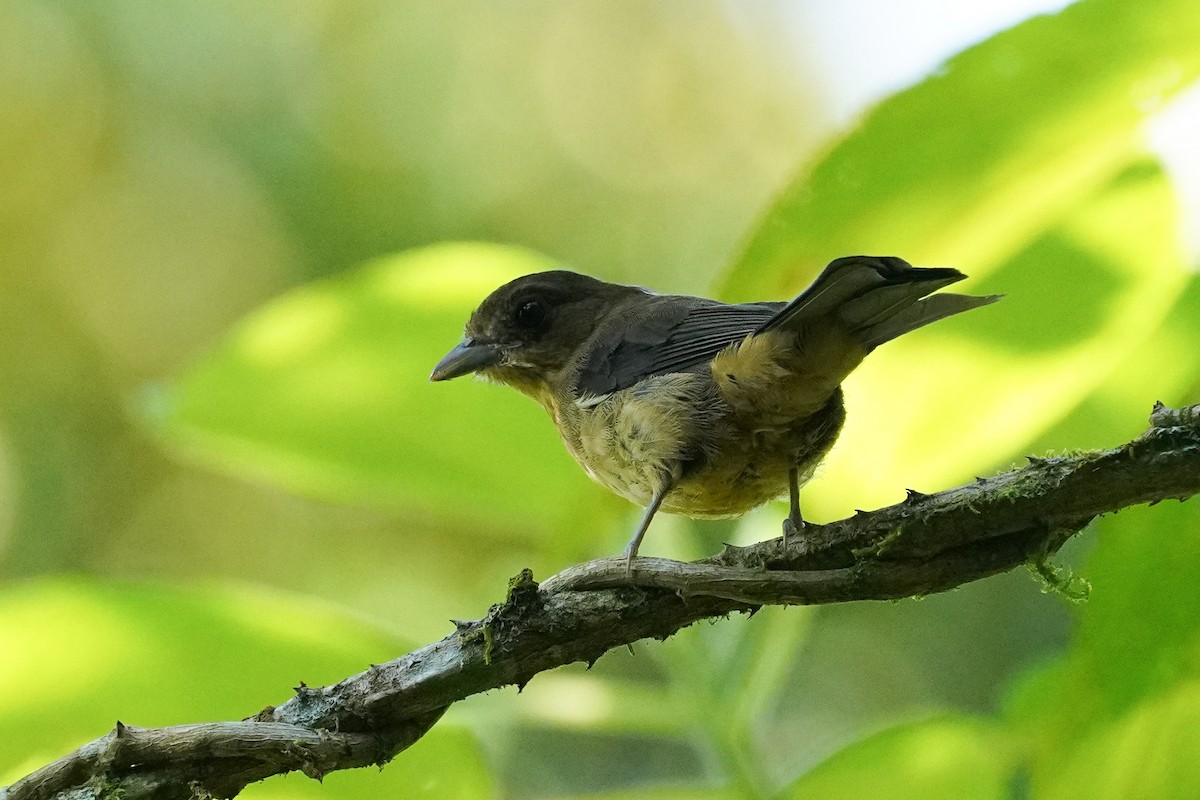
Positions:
(629, 555)
(791, 528)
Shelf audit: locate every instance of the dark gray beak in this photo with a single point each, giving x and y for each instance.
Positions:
(469, 356)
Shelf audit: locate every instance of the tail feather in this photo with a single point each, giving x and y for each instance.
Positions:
(921, 313)
(836, 284)
(876, 298)
(876, 305)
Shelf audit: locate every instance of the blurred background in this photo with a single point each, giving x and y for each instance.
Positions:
(234, 238)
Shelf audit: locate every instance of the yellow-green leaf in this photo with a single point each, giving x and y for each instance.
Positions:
(326, 391)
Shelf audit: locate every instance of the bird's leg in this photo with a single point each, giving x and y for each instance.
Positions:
(794, 522)
(636, 542)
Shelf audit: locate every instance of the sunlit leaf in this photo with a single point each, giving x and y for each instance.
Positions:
(1165, 367)
(969, 165)
(951, 758)
(669, 793)
(1138, 639)
(1148, 754)
(1013, 162)
(938, 406)
(77, 656)
(326, 391)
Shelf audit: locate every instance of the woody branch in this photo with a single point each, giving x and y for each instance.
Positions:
(928, 543)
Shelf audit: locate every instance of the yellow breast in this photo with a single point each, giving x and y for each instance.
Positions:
(636, 441)
(678, 431)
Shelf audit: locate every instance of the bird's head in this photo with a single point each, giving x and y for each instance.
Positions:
(527, 331)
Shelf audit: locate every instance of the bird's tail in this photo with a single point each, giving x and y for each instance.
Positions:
(877, 299)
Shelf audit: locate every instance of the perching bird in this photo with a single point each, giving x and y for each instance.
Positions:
(691, 405)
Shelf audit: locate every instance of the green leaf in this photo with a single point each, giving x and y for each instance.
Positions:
(325, 391)
(1148, 754)
(949, 757)
(1137, 642)
(972, 163)
(1022, 161)
(669, 793)
(1166, 367)
(79, 655)
(964, 397)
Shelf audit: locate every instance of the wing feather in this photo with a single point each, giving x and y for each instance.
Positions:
(669, 336)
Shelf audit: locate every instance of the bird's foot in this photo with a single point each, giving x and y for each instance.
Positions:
(792, 527)
(629, 554)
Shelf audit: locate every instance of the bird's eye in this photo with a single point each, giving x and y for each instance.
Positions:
(531, 314)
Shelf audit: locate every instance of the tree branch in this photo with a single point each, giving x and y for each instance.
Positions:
(928, 543)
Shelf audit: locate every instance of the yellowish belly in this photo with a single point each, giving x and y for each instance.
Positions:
(729, 486)
(635, 443)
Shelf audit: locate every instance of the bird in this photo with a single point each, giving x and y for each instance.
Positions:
(694, 406)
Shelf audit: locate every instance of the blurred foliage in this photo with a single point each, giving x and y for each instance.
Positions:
(163, 656)
(938, 759)
(314, 505)
(262, 403)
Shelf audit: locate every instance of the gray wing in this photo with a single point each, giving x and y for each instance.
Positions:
(672, 334)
